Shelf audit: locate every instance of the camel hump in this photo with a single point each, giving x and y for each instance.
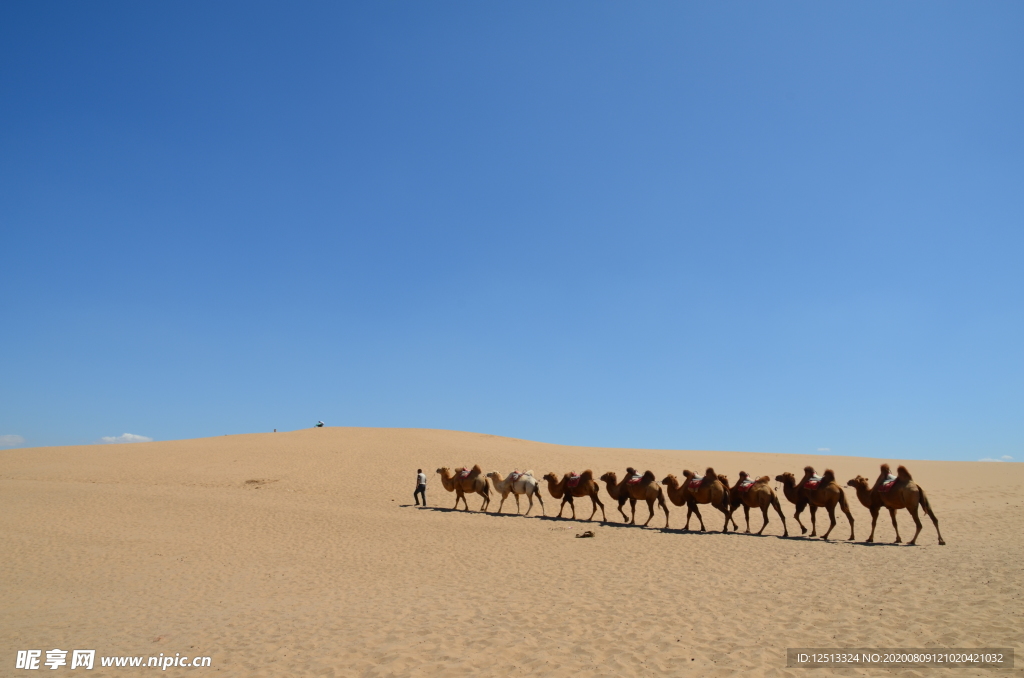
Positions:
(477, 469)
(687, 473)
(743, 475)
(903, 473)
(587, 475)
(710, 473)
(885, 469)
(763, 479)
(809, 470)
(724, 479)
(648, 476)
(828, 477)
(528, 473)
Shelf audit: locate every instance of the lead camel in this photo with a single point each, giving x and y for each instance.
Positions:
(894, 493)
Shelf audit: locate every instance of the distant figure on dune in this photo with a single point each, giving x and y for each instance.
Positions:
(319, 424)
(421, 487)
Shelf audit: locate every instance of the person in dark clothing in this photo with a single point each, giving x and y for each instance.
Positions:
(421, 488)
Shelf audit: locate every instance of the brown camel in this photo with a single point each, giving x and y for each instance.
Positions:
(612, 485)
(816, 492)
(894, 493)
(466, 480)
(758, 493)
(572, 485)
(707, 489)
(636, 487)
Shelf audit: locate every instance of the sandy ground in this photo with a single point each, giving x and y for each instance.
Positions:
(323, 568)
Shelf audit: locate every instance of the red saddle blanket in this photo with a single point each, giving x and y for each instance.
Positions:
(574, 480)
(634, 479)
(745, 485)
(514, 476)
(464, 473)
(812, 483)
(695, 482)
(887, 483)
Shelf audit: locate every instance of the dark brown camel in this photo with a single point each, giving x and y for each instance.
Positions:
(636, 487)
(571, 485)
(757, 493)
(816, 492)
(894, 493)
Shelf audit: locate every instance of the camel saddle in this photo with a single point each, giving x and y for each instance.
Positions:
(745, 485)
(514, 476)
(812, 483)
(574, 480)
(635, 479)
(887, 483)
(464, 473)
(695, 482)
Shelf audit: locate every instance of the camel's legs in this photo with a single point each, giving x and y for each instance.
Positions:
(778, 509)
(572, 505)
(849, 516)
(622, 502)
(486, 502)
(874, 519)
(517, 502)
(664, 506)
(460, 495)
(764, 514)
(917, 521)
(502, 504)
(899, 540)
(746, 515)
(650, 507)
(541, 500)
(565, 500)
(931, 514)
(528, 496)
(799, 509)
(814, 527)
(597, 502)
(695, 509)
(832, 520)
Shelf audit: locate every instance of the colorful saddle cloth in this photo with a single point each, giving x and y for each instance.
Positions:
(464, 473)
(695, 482)
(514, 476)
(812, 483)
(574, 480)
(745, 485)
(634, 479)
(887, 483)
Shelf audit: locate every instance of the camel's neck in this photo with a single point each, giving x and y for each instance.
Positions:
(789, 489)
(613, 488)
(556, 489)
(864, 495)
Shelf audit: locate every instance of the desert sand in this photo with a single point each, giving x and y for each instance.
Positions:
(300, 554)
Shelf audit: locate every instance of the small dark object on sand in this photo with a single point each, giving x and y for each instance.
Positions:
(586, 534)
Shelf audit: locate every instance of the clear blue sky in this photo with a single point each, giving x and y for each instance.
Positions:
(770, 227)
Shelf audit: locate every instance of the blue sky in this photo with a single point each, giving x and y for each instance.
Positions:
(769, 227)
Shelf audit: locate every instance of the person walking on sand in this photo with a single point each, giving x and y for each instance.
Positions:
(421, 488)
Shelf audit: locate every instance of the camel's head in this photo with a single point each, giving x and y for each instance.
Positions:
(551, 477)
(669, 480)
(610, 477)
(443, 470)
(859, 483)
(492, 474)
(786, 478)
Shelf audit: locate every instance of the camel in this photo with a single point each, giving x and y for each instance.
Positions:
(816, 492)
(572, 485)
(710, 489)
(756, 494)
(612, 485)
(466, 480)
(894, 493)
(636, 487)
(517, 483)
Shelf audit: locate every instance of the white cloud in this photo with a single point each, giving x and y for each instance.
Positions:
(125, 438)
(991, 459)
(824, 449)
(1006, 457)
(11, 440)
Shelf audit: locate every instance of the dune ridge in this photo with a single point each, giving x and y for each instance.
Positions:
(299, 554)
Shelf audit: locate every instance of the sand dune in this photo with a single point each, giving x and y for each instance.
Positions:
(299, 554)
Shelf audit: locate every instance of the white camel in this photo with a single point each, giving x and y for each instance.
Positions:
(517, 483)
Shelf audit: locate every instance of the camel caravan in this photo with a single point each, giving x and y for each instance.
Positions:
(811, 491)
